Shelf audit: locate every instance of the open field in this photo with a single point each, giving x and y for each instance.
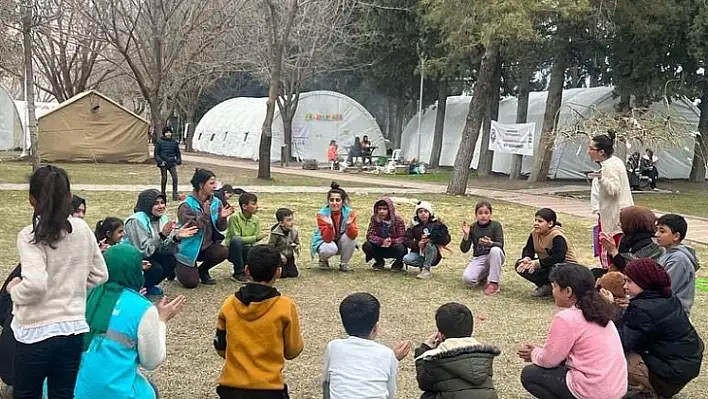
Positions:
(408, 304)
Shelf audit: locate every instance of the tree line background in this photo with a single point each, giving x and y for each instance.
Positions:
(168, 59)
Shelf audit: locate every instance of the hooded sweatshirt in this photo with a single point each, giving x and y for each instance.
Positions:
(256, 331)
(682, 264)
(458, 368)
(394, 227)
(143, 230)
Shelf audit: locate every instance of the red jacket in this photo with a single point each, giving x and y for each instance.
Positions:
(379, 230)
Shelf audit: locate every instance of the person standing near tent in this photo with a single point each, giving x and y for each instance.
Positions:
(167, 157)
(615, 192)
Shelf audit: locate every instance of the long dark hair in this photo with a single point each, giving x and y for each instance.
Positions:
(605, 143)
(579, 278)
(106, 227)
(49, 187)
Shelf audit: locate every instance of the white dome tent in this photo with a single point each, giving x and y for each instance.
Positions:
(10, 122)
(570, 158)
(233, 127)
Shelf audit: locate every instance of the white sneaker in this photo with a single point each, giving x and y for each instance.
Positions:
(425, 274)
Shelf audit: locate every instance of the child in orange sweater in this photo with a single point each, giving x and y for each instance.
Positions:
(256, 331)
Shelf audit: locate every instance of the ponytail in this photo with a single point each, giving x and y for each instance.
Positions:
(106, 227)
(581, 281)
(51, 196)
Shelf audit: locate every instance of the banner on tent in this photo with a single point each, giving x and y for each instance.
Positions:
(512, 139)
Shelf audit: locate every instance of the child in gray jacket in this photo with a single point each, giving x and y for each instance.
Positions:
(680, 260)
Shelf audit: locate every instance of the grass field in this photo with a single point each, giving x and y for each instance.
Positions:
(408, 304)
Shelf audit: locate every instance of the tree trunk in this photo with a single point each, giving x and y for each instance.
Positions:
(544, 150)
(27, 21)
(479, 106)
(522, 111)
(287, 136)
(700, 148)
(486, 157)
(398, 122)
(390, 118)
(443, 91)
(156, 117)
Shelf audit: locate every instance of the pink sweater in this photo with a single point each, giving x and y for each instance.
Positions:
(593, 355)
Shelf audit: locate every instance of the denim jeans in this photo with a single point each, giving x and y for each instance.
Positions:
(425, 260)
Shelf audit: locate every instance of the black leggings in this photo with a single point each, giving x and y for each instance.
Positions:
(163, 266)
(55, 359)
(163, 174)
(546, 383)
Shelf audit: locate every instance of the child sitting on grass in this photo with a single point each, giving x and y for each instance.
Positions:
(451, 364)
(257, 330)
(486, 237)
(109, 232)
(284, 237)
(425, 238)
(357, 367)
(679, 260)
(243, 232)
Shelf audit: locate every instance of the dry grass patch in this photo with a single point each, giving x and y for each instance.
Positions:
(408, 304)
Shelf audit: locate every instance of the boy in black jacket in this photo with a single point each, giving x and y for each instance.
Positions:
(664, 351)
(425, 238)
(453, 365)
(167, 157)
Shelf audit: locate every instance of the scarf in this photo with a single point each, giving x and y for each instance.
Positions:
(634, 242)
(125, 271)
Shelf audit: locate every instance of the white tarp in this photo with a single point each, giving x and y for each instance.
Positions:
(40, 109)
(233, 127)
(570, 159)
(512, 138)
(10, 122)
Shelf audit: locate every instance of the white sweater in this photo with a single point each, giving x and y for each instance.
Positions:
(55, 281)
(615, 194)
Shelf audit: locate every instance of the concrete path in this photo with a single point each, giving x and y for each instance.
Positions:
(537, 198)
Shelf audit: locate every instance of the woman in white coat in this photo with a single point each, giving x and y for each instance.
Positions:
(614, 193)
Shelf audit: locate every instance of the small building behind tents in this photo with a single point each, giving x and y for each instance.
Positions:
(570, 159)
(90, 127)
(233, 127)
(10, 122)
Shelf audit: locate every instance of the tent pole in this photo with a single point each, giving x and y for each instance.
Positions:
(420, 101)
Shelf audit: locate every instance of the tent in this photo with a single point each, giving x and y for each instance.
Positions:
(570, 158)
(10, 122)
(40, 108)
(92, 127)
(233, 127)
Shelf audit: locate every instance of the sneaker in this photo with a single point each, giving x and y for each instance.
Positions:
(491, 289)
(154, 291)
(239, 277)
(542, 291)
(206, 279)
(344, 267)
(397, 266)
(324, 265)
(379, 265)
(424, 274)
(655, 189)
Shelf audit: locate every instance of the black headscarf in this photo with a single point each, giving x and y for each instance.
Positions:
(146, 199)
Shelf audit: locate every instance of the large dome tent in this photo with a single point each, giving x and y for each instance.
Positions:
(233, 127)
(10, 122)
(570, 158)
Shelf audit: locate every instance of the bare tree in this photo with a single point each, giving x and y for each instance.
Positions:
(159, 41)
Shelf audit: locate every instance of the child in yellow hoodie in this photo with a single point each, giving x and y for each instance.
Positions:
(256, 331)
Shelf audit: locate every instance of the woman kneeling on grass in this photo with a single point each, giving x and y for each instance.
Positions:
(546, 247)
(127, 332)
(582, 357)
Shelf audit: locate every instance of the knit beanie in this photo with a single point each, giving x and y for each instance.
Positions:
(424, 205)
(613, 282)
(649, 275)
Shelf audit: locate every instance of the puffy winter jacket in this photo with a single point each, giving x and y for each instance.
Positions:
(460, 368)
(659, 331)
(438, 235)
(167, 152)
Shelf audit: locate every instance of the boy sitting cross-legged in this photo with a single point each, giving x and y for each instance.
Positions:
(679, 260)
(256, 331)
(451, 364)
(357, 367)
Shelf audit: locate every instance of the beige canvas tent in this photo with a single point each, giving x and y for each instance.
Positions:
(91, 127)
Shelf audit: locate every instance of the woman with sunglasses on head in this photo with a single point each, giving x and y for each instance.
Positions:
(615, 192)
(336, 230)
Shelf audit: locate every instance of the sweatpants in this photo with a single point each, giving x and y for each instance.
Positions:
(55, 359)
(379, 253)
(425, 260)
(546, 383)
(238, 253)
(485, 267)
(189, 276)
(163, 179)
(344, 248)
